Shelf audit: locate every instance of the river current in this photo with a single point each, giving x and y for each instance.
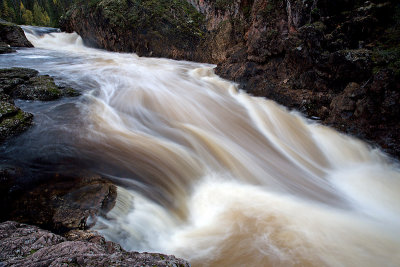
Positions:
(205, 171)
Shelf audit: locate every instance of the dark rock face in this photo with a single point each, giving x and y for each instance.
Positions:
(305, 55)
(24, 245)
(57, 202)
(326, 62)
(150, 28)
(5, 48)
(12, 35)
(24, 84)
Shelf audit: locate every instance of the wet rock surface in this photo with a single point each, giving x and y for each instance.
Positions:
(325, 61)
(5, 48)
(25, 245)
(150, 28)
(24, 84)
(27, 84)
(55, 202)
(13, 120)
(11, 35)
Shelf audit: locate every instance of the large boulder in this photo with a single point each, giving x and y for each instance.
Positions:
(12, 35)
(30, 246)
(58, 203)
(170, 28)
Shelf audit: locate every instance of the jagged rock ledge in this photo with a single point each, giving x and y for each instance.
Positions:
(29, 246)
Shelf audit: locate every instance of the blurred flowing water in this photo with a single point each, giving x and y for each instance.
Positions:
(205, 171)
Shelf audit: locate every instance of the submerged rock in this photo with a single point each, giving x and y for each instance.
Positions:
(25, 245)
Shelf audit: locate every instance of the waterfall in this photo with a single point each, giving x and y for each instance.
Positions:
(219, 177)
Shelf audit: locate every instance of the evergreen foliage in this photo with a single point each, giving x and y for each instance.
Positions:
(34, 12)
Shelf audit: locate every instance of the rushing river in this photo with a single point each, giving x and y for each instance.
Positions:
(207, 172)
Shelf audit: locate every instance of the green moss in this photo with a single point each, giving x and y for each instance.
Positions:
(46, 88)
(176, 20)
(33, 251)
(20, 120)
(68, 91)
(6, 109)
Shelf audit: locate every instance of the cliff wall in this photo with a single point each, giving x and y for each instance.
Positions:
(335, 61)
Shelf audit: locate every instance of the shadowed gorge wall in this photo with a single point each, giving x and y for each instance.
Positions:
(338, 63)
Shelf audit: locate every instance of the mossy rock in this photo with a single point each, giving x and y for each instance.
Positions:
(38, 88)
(17, 73)
(42, 88)
(13, 35)
(14, 121)
(7, 109)
(27, 84)
(175, 21)
(69, 92)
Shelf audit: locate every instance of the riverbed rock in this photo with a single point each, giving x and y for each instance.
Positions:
(12, 35)
(25, 245)
(23, 83)
(13, 120)
(38, 88)
(5, 48)
(57, 202)
(27, 84)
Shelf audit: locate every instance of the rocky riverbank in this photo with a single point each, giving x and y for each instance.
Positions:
(25, 245)
(64, 202)
(27, 84)
(335, 62)
(67, 206)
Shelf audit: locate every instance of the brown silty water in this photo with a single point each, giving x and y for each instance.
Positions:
(211, 174)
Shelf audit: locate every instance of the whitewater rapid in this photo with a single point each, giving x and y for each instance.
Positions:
(213, 175)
